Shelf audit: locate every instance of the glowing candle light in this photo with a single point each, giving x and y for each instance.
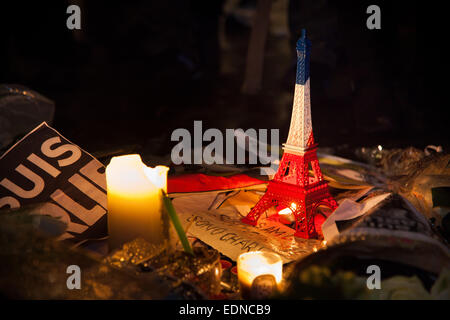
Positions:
(158, 176)
(288, 213)
(135, 202)
(256, 263)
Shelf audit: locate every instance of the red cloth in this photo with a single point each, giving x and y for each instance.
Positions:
(198, 182)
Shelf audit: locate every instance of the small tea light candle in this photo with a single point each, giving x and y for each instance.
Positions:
(251, 265)
(135, 202)
(287, 214)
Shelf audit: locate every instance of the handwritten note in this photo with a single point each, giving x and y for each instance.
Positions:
(222, 229)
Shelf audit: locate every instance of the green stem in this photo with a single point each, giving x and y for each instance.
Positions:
(177, 224)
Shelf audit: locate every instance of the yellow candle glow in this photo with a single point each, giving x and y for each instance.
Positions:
(134, 200)
(158, 176)
(256, 263)
(288, 213)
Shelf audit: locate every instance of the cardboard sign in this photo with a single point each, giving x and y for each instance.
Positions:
(46, 168)
(222, 229)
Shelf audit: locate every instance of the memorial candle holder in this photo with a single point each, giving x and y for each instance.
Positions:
(255, 266)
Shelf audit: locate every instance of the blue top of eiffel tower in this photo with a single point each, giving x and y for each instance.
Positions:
(300, 136)
(303, 57)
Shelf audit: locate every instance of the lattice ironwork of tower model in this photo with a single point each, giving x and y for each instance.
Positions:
(293, 183)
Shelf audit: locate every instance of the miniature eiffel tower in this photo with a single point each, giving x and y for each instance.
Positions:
(292, 184)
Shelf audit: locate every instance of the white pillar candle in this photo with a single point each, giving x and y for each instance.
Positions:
(134, 200)
(288, 213)
(256, 263)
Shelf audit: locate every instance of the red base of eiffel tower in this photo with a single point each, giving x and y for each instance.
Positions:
(293, 184)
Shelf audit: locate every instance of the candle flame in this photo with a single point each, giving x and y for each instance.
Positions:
(288, 211)
(255, 263)
(158, 176)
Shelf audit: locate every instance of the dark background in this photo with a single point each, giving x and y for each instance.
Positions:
(140, 69)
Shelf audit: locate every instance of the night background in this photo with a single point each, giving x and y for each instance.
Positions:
(138, 70)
